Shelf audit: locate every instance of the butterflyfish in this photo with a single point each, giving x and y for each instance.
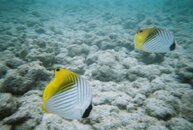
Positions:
(154, 40)
(68, 95)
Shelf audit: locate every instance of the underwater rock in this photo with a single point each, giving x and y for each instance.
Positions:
(6, 44)
(187, 106)
(113, 36)
(107, 119)
(93, 49)
(139, 99)
(20, 28)
(119, 99)
(140, 17)
(8, 105)
(91, 58)
(157, 109)
(55, 122)
(186, 75)
(104, 98)
(129, 62)
(106, 45)
(122, 100)
(36, 14)
(108, 73)
(158, 127)
(76, 64)
(142, 87)
(56, 30)
(40, 30)
(150, 58)
(143, 71)
(130, 24)
(62, 58)
(16, 84)
(40, 43)
(29, 113)
(3, 70)
(162, 105)
(31, 23)
(14, 62)
(26, 77)
(179, 90)
(52, 121)
(131, 107)
(157, 84)
(5, 127)
(99, 41)
(149, 21)
(136, 121)
(33, 70)
(106, 58)
(107, 68)
(179, 124)
(6, 55)
(109, 86)
(75, 49)
(46, 58)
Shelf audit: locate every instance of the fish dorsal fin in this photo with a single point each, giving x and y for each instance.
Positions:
(65, 79)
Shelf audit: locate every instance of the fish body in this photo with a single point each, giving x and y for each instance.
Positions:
(154, 40)
(68, 95)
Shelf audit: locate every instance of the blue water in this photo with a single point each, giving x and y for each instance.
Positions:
(130, 14)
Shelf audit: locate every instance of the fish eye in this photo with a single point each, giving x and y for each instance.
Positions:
(140, 31)
(57, 69)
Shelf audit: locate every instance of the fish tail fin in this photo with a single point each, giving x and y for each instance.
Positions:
(173, 46)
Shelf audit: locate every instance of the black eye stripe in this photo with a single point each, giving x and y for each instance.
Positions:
(140, 31)
(57, 69)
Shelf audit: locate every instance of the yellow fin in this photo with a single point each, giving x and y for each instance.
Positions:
(43, 108)
(49, 91)
(65, 78)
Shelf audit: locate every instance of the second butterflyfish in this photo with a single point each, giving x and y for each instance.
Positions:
(68, 95)
(154, 40)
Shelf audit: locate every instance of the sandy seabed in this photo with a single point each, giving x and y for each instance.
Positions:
(132, 90)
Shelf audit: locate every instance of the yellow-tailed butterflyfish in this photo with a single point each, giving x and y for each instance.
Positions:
(67, 95)
(154, 40)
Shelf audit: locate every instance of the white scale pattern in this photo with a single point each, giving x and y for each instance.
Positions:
(160, 43)
(73, 102)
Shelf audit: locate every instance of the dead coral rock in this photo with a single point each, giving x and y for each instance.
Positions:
(29, 113)
(162, 105)
(14, 63)
(26, 77)
(8, 105)
(187, 106)
(179, 124)
(3, 70)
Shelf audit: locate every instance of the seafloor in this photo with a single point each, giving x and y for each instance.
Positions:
(132, 90)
